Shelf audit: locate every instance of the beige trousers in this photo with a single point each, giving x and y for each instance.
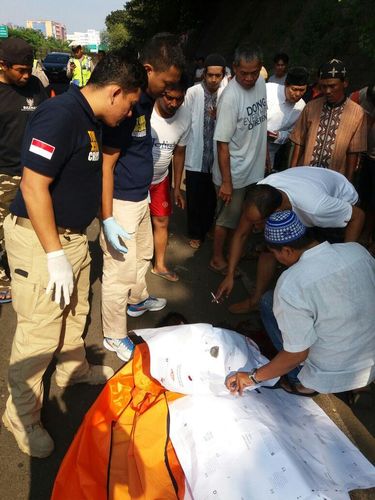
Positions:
(44, 329)
(124, 275)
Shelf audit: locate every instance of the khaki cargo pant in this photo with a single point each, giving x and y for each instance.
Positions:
(124, 275)
(9, 185)
(44, 329)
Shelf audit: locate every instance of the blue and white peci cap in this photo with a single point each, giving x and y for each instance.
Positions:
(283, 227)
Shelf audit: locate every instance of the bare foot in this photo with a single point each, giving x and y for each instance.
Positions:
(218, 265)
(166, 274)
(245, 306)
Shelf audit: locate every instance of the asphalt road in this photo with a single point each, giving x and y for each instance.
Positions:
(24, 478)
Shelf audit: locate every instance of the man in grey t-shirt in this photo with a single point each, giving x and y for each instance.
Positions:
(241, 138)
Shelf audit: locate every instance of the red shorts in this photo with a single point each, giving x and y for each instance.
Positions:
(160, 195)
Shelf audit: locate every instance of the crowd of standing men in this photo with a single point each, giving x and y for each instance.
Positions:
(106, 146)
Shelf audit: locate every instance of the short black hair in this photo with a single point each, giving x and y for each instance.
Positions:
(76, 48)
(266, 198)
(118, 68)
(297, 76)
(182, 84)
(303, 242)
(163, 52)
(247, 53)
(281, 56)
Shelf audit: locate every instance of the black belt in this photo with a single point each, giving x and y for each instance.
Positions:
(24, 222)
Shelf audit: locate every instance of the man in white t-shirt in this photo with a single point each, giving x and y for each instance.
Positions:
(241, 137)
(170, 127)
(285, 104)
(321, 313)
(320, 197)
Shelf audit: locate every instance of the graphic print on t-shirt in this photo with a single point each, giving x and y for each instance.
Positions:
(256, 114)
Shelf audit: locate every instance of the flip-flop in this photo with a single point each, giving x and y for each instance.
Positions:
(291, 388)
(223, 271)
(167, 275)
(5, 295)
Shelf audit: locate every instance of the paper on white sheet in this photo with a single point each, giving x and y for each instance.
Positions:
(264, 445)
(196, 359)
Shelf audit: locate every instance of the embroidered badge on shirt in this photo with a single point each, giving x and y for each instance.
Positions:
(94, 153)
(140, 127)
(41, 148)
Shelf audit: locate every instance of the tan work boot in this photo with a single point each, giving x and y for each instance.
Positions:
(32, 439)
(97, 374)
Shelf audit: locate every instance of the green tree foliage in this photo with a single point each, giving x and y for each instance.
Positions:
(142, 18)
(310, 32)
(117, 36)
(40, 44)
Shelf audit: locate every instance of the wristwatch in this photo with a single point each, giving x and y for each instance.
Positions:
(252, 376)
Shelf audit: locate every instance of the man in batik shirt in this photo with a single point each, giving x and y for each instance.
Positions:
(331, 131)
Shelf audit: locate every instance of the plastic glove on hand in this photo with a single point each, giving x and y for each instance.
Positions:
(60, 276)
(114, 233)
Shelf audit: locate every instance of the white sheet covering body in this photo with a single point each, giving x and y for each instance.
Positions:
(265, 445)
(196, 359)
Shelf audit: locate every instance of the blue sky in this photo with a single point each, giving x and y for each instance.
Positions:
(77, 15)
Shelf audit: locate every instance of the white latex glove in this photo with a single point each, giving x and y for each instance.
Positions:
(60, 276)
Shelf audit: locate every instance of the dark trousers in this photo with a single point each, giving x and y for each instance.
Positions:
(201, 204)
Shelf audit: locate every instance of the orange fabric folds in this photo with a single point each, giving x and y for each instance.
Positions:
(122, 450)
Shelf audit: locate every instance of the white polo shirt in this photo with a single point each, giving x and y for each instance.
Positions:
(325, 303)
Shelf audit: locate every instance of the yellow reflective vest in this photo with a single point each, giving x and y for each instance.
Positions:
(82, 70)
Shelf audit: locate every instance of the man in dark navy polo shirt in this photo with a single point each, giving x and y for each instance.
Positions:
(127, 176)
(46, 241)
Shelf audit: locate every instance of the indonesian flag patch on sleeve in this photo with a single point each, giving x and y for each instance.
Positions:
(41, 148)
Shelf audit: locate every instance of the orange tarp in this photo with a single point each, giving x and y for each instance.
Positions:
(122, 450)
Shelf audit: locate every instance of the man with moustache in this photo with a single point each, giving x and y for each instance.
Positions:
(331, 131)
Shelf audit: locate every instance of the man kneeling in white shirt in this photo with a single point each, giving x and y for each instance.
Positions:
(321, 198)
(320, 314)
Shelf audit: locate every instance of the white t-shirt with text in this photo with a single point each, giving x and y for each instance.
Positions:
(166, 134)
